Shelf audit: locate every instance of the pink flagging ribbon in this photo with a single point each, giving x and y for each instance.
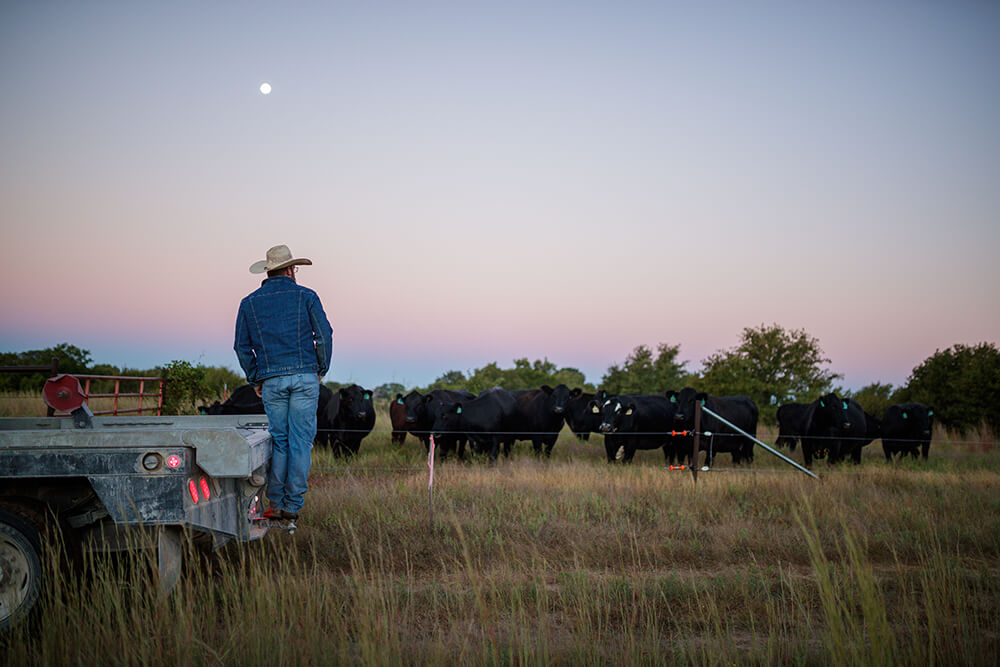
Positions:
(430, 464)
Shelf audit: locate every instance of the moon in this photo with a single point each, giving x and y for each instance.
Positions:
(265, 88)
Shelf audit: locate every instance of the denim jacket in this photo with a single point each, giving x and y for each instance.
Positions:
(281, 329)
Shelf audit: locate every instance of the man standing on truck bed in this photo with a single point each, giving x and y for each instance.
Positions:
(284, 343)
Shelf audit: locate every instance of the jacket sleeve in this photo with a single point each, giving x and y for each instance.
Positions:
(322, 334)
(243, 347)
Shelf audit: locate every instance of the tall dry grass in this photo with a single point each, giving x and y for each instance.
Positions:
(570, 561)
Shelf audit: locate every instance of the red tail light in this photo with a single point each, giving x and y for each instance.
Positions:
(204, 489)
(193, 488)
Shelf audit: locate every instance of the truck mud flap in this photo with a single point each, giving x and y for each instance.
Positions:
(169, 556)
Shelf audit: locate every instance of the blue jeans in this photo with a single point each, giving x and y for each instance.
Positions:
(290, 403)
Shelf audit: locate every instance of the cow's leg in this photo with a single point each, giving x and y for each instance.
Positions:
(925, 448)
(536, 445)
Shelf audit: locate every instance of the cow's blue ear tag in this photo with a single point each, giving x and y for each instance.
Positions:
(845, 405)
(673, 399)
(906, 416)
(703, 402)
(459, 411)
(930, 413)
(399, 400)
(822, 404)
(367, 396)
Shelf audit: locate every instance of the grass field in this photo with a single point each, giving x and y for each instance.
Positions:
(571, 561)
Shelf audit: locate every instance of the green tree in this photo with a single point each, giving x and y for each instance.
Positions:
(387, 391)
(71, 358)
(642, 373)
(770, 365)
(962, 384)
(450, 380)
(185, 386)
(875, 398)
(220, 379)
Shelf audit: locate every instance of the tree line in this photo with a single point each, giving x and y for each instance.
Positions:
(770, 364)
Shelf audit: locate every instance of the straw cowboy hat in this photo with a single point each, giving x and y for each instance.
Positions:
(278, 257)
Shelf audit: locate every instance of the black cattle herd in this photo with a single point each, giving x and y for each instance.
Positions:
(830, 427)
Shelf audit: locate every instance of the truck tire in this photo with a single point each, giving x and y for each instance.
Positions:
(20, 564)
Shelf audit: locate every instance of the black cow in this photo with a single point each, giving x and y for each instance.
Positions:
(907, 428)
(581, 416)
(352, 417)
(791, 424)
(631, 422)
(484, 419)
(835, 427)
(397, 415)
(741, 411)
(243, 401)
(422, 410)
(539, 416)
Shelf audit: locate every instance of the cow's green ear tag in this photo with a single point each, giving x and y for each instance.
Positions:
(906, 416)
(367, 396)
(459, 411)
(703, 402)
(822, 404)
(845, 405)
(399, 400)
(595, 410)
(930, 413)
(673, 399)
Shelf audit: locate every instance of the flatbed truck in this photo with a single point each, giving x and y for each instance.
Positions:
(114, 483)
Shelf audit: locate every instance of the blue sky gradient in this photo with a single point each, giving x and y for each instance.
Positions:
(477, 182)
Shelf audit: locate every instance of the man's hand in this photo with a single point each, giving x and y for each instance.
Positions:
(257, 390)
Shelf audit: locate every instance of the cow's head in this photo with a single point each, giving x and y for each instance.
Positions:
(612, 412)
(831, 411)
(415, 407)
(918, 419)
(356, 402)
(449, 419)
(558, 397)
(682, 403)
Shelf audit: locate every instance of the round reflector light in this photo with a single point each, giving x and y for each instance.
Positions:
(173, 461)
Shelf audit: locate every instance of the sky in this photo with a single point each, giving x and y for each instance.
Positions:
(484, 181)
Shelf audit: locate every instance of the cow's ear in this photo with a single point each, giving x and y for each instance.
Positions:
(428, 398)
(458, 409)
(630, 410)
(905, 416)
(701, 397)
(930, 412)
(671, 396)
(845, 404)
(576, 391)
(546, 388)
(367, 395)
(821, 403)
(594, 407)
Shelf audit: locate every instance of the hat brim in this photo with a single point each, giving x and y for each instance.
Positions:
(262, 267)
